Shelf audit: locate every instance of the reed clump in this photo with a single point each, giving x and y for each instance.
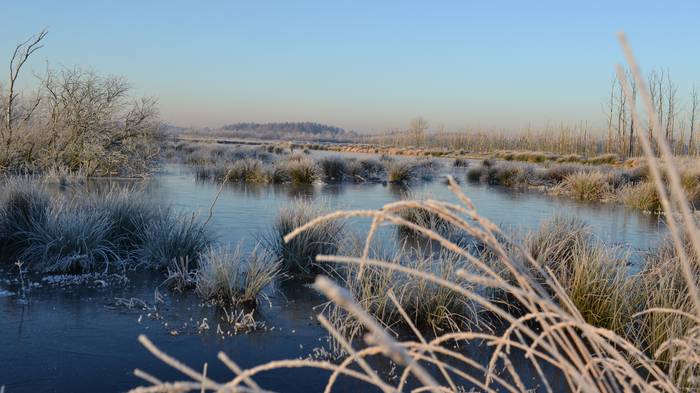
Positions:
(642, 196)
(425, 219)
(91, 232)
(609, 158)
(230, 277)
(298, 256)
(71, 240)
(367, 169)
(247, 170)
(333, 169)
(666, 290)
(586, 186)
(431, 308)
(595, 277)
(460, 163)
(400, 172)
(171, 237)
(301, 171)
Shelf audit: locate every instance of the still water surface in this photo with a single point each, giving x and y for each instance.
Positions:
(77, 340)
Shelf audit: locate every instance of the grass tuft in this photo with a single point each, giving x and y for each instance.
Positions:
(400, 172)
(302, 170)
(230, 277)
(587, 186)
(460, 163)
(70, 239)
(333, 169)
(170, 238)
(642, 196)
(247, 170)
(299, 255)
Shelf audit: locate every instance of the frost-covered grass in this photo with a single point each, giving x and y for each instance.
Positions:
(231, 277)
(298, 255)
(86, 232)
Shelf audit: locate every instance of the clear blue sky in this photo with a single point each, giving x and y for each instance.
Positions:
(365, 65)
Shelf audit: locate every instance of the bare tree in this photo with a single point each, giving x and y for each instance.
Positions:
(693, 119)
(19, 57)
(671, 90)
(611, 111)
(417, 129)
(621, 118)
(633, 97)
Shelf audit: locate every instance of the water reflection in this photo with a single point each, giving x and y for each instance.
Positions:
(243, 209)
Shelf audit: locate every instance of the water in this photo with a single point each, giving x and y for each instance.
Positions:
(244, 211)
(78, 340)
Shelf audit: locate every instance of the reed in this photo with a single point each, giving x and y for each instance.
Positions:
(230, 277)
(400, 172)
(333, 169)
(69, 239)
(302, 170)
(587, 186)
(642, 196)
(247, 170)
(23, 204)
(431, 308)
(595, 277)
(460, 163)
(170, 238)
(298, 257)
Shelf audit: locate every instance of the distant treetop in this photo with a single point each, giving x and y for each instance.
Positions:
(286, 127)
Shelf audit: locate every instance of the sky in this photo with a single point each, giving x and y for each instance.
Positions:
(363, 65)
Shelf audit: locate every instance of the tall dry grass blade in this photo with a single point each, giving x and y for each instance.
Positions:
(671, 170)
(351, 354)
(342, 298)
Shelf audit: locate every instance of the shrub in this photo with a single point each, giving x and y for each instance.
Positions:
(229, 277)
